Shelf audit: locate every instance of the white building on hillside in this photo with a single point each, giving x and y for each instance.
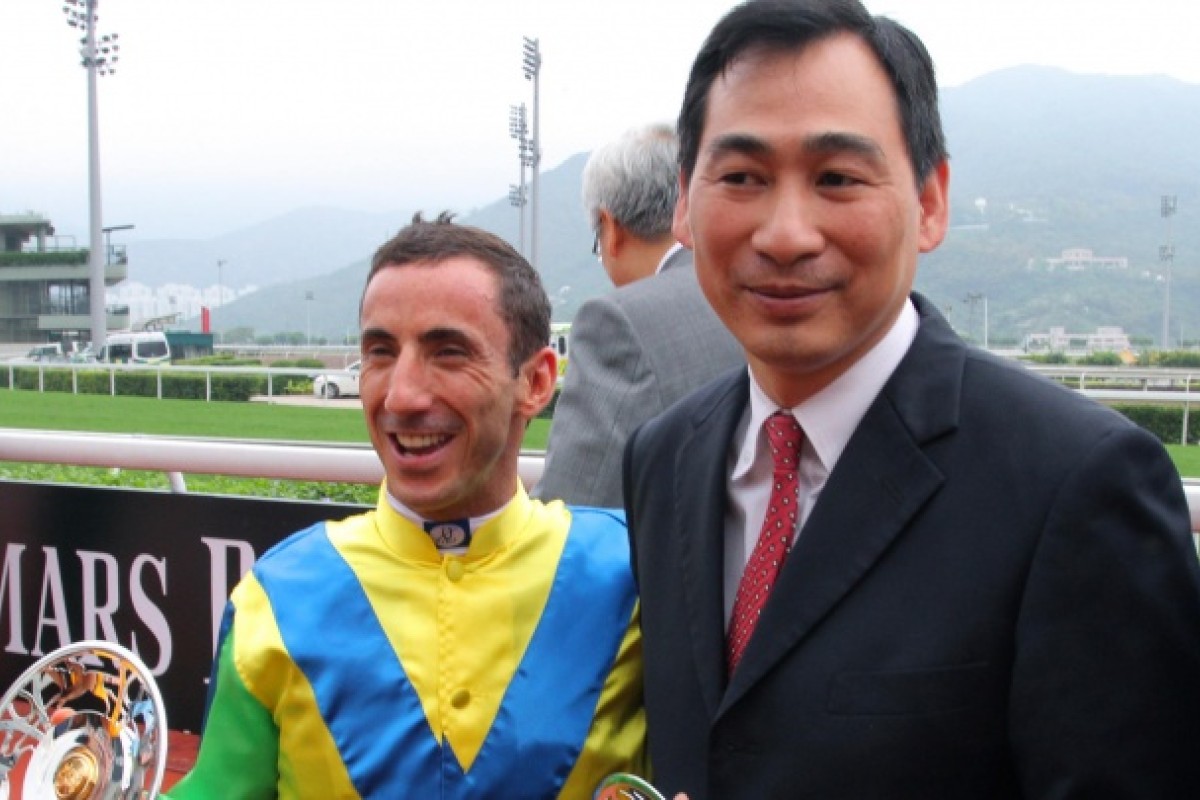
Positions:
(1081, 259)
(1110, 339)
(184, 301)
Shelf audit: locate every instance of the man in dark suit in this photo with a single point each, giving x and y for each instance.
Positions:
(638, 349)
(973, 583)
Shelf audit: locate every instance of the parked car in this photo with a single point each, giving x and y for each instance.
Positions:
(84, 355)
(42, 354)
(52, 353)
(338, 384)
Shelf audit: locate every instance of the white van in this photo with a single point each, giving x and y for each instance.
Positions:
(149, 347)
(560, 337)
(46, 352)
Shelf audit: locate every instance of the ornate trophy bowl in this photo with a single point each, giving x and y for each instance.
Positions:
(623, 786)
(86, 722)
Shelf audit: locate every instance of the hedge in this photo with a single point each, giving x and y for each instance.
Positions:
(1176, 358)
(52, 258)
(548, 411)
(175, 385)
(1164, 421)
(300, 363)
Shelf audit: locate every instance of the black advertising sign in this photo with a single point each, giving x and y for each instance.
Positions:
(148, 570)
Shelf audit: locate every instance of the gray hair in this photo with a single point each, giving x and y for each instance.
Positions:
(635, 179)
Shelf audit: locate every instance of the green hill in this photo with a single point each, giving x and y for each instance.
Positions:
(1042, 160)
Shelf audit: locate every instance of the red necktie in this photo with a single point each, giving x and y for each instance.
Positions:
(775, 539)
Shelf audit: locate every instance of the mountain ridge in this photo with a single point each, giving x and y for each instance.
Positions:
(1042, 160)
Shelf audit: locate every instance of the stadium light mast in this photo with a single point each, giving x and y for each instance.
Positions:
(971, 299)
(1166, 255)
(518, 195)
(220, 300)
(99, 57)
(308, 298)
(532, 65)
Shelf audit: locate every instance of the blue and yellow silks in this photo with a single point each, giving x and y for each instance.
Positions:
(359, 662)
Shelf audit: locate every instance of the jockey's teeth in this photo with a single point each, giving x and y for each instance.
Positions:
(423, 442)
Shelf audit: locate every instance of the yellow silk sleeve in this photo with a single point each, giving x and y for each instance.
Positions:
(616, 741)
(309, 763)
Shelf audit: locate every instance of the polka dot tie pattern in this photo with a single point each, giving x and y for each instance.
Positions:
(775, 538)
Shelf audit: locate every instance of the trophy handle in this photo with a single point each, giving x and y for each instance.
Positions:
(624, 786)
(85, 722)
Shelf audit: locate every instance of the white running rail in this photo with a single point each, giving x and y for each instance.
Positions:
(341, 463)
(337, 463)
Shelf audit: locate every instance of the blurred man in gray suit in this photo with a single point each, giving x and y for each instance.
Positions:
(637, 350)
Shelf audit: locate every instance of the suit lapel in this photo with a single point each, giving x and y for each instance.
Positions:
(881, 480)
(700, 500)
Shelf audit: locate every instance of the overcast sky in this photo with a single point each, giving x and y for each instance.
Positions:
(225, 113)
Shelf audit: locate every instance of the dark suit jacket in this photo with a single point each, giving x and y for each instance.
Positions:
(633, 352)
(996, 595)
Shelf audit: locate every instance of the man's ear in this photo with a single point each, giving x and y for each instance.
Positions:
(538, 379)
(615, 236)
(681, 228)
(935, 210)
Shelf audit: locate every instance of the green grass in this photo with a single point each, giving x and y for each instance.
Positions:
(103, 414)
(1186, 458)
(201, 484)
(536, 435)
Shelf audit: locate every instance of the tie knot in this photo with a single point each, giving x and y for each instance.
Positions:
(785, 436)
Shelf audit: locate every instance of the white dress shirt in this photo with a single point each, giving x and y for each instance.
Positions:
(828, 418)
(662, 262)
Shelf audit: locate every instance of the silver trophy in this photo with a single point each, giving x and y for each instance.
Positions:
(623, 786)
(85, 722)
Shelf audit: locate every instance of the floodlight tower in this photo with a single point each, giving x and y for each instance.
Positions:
(532, 65)
(518, 128)
(220, 299)
(518, 196)
(971, 299)
(99, 57)
(1166, 255)
(308, 298)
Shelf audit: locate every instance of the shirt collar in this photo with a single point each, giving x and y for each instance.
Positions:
(830, 417)
(402, 529)
(675, 248)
